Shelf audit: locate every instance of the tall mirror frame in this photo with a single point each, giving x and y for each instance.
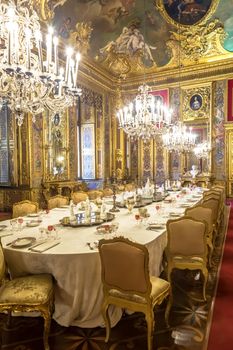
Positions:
(56, 147)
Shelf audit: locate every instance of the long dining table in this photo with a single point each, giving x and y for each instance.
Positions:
(75, 262)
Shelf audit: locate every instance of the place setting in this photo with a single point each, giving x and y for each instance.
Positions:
(47, 239)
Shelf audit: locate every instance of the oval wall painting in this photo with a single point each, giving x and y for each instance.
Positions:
(187, 12)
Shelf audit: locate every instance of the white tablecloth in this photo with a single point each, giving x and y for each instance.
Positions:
(76, 268)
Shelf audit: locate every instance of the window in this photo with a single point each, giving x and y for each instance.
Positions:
(4, 146)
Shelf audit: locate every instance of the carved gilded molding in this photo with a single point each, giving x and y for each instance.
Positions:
(80, 38)
(45, 8)
(197, 44)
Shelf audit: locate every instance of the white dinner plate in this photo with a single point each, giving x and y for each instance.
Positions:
(156, 226)
(23, 242)
(174, 214)
(33, 224)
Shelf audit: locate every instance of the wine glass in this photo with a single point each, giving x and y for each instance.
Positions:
(115, 226)
(13, 224)
(137, 218)
(49, 230)
(41, 231)
(57, 230)
(157, 207)
(20, 224)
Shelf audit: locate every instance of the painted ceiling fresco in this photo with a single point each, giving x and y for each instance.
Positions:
(128, 25)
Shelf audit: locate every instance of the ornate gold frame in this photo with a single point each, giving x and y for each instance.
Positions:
(159, 4)
(201, 93)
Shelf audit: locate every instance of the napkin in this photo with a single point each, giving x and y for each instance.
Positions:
(45, 246)
(6, 233)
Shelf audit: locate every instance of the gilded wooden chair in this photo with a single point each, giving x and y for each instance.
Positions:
(57, 201)
(24, 208)
(127, 283)
(203, 213)
(79, 196)
(107, 192)
(94, 194)
(187, 247)
(27, 294)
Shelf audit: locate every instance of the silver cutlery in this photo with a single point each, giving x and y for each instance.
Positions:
(36, 244)
(90, 246)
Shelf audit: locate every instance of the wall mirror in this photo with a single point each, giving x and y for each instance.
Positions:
(56, 147)
(199, 159)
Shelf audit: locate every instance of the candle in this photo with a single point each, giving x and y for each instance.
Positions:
(38, 37)
(10, 42)
(69, 52)
(78, 57)
(28, 48)
(10, 26)
(49, 47)
(61, 73)
(55, 42)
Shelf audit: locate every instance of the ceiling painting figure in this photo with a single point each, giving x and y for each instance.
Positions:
(129, 42)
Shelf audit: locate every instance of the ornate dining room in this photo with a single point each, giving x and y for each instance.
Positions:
(116, 174)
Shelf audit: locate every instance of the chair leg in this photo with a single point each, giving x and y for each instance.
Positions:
(168, 307)
(106, 320)
(150, 328)
(47, 323)
(8, 322)
(205, 274)
(210, 250)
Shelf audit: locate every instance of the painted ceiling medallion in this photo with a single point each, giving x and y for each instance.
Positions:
(186, 12)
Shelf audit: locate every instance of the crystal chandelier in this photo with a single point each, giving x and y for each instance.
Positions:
(179, 138)
(144, 118)
(28, 82)
(202, 150)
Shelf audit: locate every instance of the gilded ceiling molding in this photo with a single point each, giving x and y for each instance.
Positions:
(80, 39)
(199, 43)
(45, 8)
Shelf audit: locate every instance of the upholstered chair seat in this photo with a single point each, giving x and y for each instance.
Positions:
(32, 290)
(26, 294)
(159, 286)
